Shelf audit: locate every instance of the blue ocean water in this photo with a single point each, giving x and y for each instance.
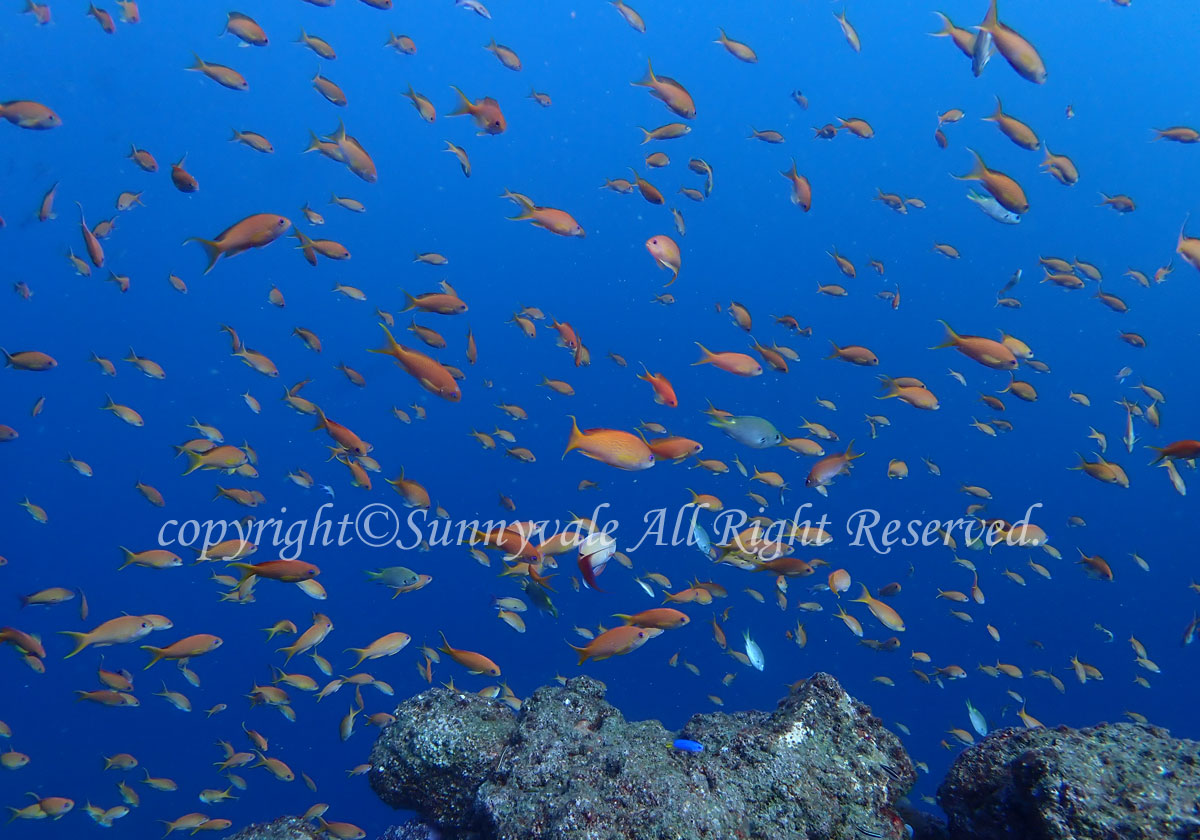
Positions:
(745, 243)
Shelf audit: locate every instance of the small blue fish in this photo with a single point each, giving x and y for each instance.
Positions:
(702, 540)
(684, 745)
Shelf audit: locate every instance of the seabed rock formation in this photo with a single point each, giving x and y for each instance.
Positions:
(284, 828)
(570, 767)
(1120, 781)
(819, 767)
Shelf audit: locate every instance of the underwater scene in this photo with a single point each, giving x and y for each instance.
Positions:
(512, 419)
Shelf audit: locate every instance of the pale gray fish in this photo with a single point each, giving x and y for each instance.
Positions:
(755, 432)
(993, 208)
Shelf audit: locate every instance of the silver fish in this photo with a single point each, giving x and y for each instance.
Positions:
(755, 432)
(395, 576)
(982, 52)
(993, 208)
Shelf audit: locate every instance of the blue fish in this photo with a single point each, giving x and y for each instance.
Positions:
(684, 745)
(702, 540)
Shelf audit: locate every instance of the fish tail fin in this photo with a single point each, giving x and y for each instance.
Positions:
(836, 351)
(646, 138)
(314, 142)
(706, 355)
(80, 641)
(362, 654)
(978, 169)
(410, 303)
(322, 420)
(1153, 463)
(576, 438)
(464, 107)
(850, 453)
(890, 386)
(947, 27)
(128, 554)
(951, 340)
(582, 651)
(194, 461)
(649, 79)
(519, 199)
(198, 63)
(992, 19)
(212, 250)
(998, 113)
(157, 654)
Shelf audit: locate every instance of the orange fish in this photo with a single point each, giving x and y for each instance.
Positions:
(341, 435)
(664, 393)
(665, 251)
(251, 232)
(547, 218)
(610, 446)
(736, 363)
(32, 115)
(825, 470)
(616, 642)
(1003, 188)
(475, 663)
(486, 113)
(801, 189)
(986, 351)
(426, 370)
(670, 92)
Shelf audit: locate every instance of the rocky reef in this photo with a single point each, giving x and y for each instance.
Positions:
(1122, 781)
(284, 828)
(570, 767)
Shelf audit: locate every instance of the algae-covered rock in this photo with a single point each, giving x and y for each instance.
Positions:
(1122, 781)
(441, 748)
(819, 767)
(284, 828)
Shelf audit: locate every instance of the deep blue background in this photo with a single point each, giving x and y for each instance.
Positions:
(747, 242)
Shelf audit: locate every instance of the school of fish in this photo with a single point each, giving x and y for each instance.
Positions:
(988, 375)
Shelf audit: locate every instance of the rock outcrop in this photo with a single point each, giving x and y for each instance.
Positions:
(1122, 781)
(284, 828)
(570, 767)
